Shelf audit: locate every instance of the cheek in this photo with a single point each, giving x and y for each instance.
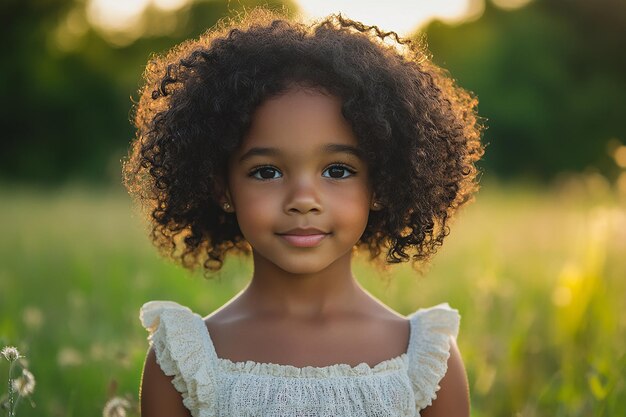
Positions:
(351, 208)
(255, 209)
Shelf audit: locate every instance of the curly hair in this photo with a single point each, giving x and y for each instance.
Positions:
(419, 131)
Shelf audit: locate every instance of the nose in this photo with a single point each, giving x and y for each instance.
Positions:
(303, 197)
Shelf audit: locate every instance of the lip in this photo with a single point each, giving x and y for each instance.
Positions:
(304, 241)
(304, 231)
(303, 237)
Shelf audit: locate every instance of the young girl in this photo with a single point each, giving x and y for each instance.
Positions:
(300, 144)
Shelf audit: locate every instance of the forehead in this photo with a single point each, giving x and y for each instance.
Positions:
(299, 119)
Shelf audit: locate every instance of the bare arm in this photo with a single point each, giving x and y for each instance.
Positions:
(453, 396)
(158, 396)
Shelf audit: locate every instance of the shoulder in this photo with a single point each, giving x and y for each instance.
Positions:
(435, 364)
(169, 383)
(158, 396)
(453, 395)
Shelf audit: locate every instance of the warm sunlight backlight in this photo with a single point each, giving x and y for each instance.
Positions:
(167, 5)
(511, 4)
(115, 15)
(122, 21)
(122, 15)
(401, 16)
(620, 156)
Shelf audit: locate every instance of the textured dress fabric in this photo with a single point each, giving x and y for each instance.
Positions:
(217, 387)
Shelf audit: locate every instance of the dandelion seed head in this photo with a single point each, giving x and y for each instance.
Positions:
(25, 384)
(116, 407)
(11, 353)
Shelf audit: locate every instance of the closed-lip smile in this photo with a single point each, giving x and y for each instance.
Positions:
(299, 231)
(303, 237)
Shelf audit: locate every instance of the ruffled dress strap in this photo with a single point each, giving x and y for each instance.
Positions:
(431, 329)
(179, 339)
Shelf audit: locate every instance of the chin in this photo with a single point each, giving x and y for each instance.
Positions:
(298, 266)
(300, 262)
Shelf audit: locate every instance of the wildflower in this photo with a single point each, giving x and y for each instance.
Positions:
(116, 407)
(11, 353)
(25, 384)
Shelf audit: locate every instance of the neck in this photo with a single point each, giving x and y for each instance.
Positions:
(275, 291)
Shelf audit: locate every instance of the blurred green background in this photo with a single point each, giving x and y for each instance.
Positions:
(535, 265)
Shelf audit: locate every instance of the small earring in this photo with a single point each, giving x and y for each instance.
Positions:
(226, 206)
(376, 205)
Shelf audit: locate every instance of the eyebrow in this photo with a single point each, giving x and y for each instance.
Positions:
(329, 149)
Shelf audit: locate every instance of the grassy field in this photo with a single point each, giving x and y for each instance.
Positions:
(538, 275)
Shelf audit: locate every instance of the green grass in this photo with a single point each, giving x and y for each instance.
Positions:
(536, 273)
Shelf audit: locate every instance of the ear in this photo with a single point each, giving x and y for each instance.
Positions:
(222, 196)
(375, 204)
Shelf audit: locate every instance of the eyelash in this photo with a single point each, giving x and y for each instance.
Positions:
(255, 170)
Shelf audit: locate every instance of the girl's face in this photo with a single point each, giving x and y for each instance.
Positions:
(298, 185)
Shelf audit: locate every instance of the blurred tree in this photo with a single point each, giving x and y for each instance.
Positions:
(549, 78)
(67, 91)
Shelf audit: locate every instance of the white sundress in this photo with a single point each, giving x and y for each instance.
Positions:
(217, 387)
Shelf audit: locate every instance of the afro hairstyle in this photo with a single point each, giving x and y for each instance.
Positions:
(419, 131)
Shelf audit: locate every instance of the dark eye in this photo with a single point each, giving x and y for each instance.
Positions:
(265, 173)
(338, 171)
